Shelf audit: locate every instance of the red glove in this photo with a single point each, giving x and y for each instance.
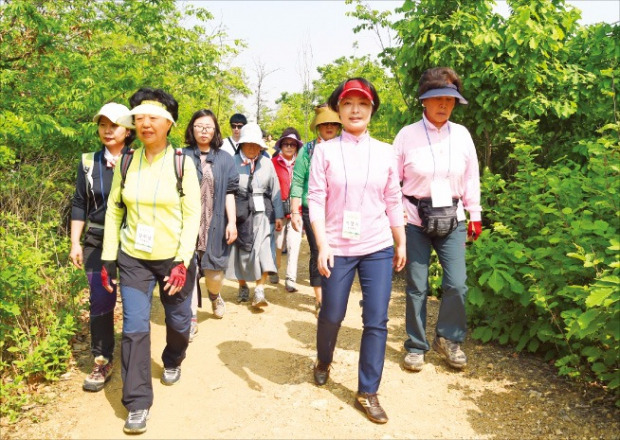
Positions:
(474, 229)
(108, 274)
(177, 275)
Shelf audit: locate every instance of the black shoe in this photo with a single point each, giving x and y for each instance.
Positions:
(369, 403)
(321, 373)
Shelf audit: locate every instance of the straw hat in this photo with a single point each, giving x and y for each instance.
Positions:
(322, 115)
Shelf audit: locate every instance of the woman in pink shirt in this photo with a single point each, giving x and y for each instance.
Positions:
(438, 167)
(356, 213)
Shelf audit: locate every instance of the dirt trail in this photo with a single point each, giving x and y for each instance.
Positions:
(250, 376)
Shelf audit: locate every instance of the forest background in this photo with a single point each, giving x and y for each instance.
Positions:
(544, 276)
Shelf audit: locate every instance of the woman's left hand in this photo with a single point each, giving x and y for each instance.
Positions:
(400, 257)
(279, 224)
(231, 232)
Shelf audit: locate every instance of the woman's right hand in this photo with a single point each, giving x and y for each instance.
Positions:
(296, 221)
(76, 255)
(325, 260)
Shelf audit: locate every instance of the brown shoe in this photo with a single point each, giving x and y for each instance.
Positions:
(321, 373)
(369, 403)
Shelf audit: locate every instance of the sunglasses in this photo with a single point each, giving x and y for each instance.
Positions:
(236, 126)
(288, 144)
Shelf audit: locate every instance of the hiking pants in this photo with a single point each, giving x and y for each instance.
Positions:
(137, 279)
(451, 322)
(102, 302)
(375, 277)
(313, 268)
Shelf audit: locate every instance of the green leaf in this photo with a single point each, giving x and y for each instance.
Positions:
(496, 281)
(597, 297)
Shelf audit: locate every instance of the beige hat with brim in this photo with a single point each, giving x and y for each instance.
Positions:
(112, 111)
(154, 108)
(252, 134)
(324, 115)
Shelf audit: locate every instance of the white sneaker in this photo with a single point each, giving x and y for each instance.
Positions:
(219, 307)
(259, 298)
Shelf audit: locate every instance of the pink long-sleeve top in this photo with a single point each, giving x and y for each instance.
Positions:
(355, 174)
(451, 155)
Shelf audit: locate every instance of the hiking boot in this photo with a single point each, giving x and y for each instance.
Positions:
(219, 308)
(244, 294)
(369, 403)
(274, 278)
(102, 372)
(136, 421)
(259, 297)
(171, 376)
(193, 329)
(321, 373)
(451, 351)
(414, 361)
(290, 286)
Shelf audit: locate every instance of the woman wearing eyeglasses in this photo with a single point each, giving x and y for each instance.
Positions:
(286, 149)
(219, 181)
(326, 122)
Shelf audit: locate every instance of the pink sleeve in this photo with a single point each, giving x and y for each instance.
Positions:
(398, 151)
(393, 196)
(471, 196)
(317, 185)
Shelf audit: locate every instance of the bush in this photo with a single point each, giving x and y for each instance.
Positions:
(37, 309)
(546, 278)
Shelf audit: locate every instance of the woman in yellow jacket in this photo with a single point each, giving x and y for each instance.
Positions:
(155, 223)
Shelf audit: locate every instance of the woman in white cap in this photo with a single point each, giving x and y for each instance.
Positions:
(257, 198)
(93, 183)
(151, 226)
(327, 124)
(357, 215)
(438, 167)
(286, 149)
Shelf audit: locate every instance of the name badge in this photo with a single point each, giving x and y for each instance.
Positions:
(441, 193)
(352, 225)
(145, 237)
(259, 203)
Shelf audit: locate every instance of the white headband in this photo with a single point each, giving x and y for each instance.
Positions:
(154, 108)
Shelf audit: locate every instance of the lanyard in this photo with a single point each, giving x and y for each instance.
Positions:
(163, 160)
(346, 181)
(105, 199)
(449, 148)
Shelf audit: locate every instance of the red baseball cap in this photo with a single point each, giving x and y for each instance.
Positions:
(356, 85)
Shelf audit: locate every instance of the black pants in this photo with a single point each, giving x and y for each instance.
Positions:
(102, 302)
(313, 267)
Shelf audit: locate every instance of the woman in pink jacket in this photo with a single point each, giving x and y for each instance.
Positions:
(357, 216)
(438, 166)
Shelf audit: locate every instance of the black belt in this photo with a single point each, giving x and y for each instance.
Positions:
(416, 201)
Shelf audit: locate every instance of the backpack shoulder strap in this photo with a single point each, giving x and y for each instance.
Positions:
(310, 148)
(126, 159)
(179, 163)
(88, 162)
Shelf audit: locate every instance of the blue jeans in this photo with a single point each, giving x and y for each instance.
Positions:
(452, 321)
(375, 276)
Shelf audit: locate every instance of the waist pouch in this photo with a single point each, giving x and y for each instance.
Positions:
(286, 204)
(245, 221)
(436, 222)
